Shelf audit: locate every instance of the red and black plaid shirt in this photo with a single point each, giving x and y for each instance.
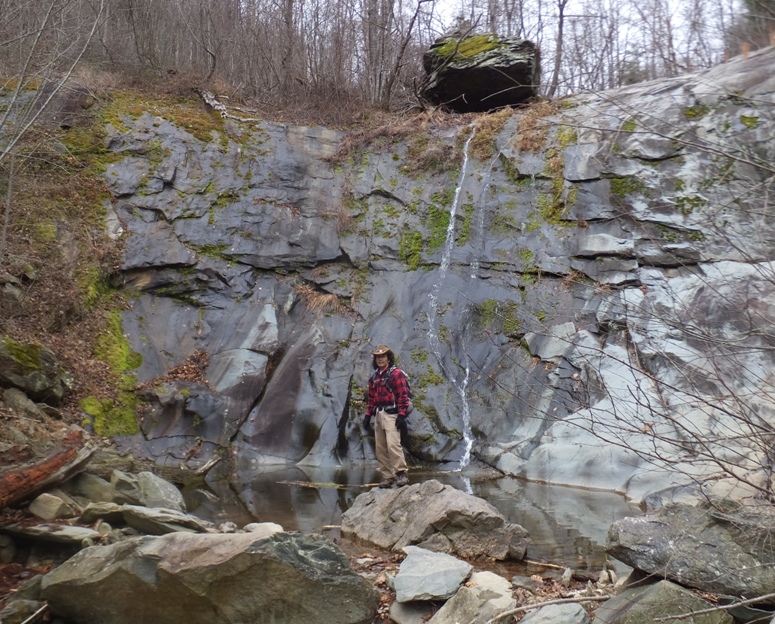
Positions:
(380, 397)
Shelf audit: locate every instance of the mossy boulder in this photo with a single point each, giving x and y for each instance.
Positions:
(480, 73)
(33, 369)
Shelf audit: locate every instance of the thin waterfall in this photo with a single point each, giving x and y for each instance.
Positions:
(433, 314)
(480, 212)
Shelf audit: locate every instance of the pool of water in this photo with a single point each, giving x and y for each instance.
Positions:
(567, 526)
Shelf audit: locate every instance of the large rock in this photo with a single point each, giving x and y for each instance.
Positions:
(33, 369)
(480, 72)
(660, 600)
(211, 579)
(436, 517)
(717, 547)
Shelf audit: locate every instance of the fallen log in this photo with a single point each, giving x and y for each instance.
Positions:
(20, 483)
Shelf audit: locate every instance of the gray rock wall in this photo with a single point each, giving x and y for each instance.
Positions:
(602, 271)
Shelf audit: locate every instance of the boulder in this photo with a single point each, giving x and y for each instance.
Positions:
(436, 517)
(428, 575)
(33, 369)
(714, 547)
(212, 579)
(660, 600)
(480, 73)
(486, 596)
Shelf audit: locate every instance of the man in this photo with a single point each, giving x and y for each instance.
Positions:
(388, 399)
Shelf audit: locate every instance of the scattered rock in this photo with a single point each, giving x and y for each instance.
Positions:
(428, 575)
(478, 601)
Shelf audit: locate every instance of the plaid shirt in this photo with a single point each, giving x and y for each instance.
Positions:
(381, 397)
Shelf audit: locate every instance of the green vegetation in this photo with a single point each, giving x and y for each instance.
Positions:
(410, 248)
(749, 121)
(116, 415)
(628, 125)
(629, 185)
(688, 204)
(26, 356)
(468, 47)
(696, 111)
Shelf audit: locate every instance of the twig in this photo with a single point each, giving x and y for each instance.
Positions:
(683, 616)
(537, 605)
(31, 619)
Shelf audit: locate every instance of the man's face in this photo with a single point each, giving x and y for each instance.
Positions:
(382, 361)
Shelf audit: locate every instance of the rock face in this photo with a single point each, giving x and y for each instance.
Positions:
(217, 579)
(435, 517)
(480, 73)
(673, 543)
(559, 289)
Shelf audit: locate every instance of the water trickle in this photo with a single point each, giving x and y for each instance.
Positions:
(479, 214)
(459, 381)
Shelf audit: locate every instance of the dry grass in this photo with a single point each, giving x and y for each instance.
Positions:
(380, 129)
(534, 126)
(319, 302)
(341, 217)
(488, 127)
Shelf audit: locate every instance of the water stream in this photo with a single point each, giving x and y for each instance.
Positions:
(460, 383)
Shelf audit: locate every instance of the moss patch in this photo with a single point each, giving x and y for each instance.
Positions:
(468, 47)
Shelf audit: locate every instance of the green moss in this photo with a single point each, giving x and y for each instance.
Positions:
(696, 111)
(438, 223)
(25, 355)
(629, 185)
(465, 229)
(419, 355)
(212, 251)
(749, 122)
(468, 47)
(526, 255)
(119, 415)
(567, 136)
(410, 248)
(688, 204)
(628, 125)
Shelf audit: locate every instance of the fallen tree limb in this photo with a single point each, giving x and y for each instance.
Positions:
(18, 484)
(213, 103)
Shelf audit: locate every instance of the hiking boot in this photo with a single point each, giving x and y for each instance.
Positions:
(402, 479)
(387, 483)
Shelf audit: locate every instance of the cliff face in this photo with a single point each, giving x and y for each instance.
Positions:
(561, 283)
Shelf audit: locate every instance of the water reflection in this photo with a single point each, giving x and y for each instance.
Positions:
(567, 526)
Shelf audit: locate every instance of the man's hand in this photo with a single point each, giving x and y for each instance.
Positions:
(367, 422)
(401, 425)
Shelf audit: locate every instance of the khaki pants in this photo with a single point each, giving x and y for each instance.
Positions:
(390, 453)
